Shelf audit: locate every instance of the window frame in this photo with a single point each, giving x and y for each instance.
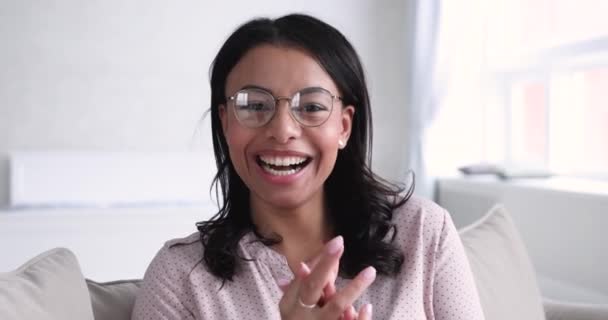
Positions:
(541, 67)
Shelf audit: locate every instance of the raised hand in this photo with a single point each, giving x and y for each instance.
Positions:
(312, 294)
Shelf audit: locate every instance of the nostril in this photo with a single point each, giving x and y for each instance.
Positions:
(283, 127)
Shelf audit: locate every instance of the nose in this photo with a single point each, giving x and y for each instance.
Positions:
(283, 127)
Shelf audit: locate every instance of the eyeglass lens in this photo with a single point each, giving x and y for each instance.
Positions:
(255, 108)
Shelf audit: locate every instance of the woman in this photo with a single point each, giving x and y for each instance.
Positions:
(306, 230)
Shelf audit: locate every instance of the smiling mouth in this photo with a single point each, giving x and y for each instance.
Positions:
(282, 166)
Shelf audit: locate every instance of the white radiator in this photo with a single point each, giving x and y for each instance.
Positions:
(106, 179)
(114, 210)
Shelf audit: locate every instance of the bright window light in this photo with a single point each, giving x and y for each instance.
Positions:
(529, 89)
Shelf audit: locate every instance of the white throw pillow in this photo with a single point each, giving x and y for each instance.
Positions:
(48, 287)
(503, 272)
(113, 300)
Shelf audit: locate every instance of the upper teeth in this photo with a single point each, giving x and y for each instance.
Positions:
(282, 161)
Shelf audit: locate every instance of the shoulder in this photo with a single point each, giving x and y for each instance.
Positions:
(188, 242)
(177, 257)
(418, 209)
(165, 290)
(420, 219)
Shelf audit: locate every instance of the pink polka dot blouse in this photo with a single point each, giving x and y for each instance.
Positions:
(435, 281)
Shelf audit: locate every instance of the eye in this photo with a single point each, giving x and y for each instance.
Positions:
(257, 106)
(312, 107)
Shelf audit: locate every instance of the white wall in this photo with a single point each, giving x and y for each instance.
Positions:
(133, 75)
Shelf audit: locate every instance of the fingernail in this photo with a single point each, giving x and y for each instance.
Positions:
(369, 273)
(283, 282)
(304, 269)
(335, 244)
(368, 309)
(352, 310)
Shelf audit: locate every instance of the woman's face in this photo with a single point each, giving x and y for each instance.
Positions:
(283, 163)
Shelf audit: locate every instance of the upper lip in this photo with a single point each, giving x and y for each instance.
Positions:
(282, 153)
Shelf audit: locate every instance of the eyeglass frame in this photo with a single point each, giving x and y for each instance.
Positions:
(289, 104)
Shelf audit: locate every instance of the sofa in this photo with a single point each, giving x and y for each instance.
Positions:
(52, 286)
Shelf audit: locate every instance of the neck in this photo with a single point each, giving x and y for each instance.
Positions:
(303, 229)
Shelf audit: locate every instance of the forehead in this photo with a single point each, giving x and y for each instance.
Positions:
(282, 70)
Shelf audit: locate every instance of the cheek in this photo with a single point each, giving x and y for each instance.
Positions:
(327, 144)
(330, 134)
(237, 140)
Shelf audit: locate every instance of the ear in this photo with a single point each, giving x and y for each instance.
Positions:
(348, 113)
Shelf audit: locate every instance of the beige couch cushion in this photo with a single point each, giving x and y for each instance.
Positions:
(502, 269)
(49, 286)
(113, 300)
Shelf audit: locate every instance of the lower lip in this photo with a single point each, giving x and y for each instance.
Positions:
(286, 179)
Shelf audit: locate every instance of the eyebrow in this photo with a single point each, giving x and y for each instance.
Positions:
(252, 86)
(303, 90)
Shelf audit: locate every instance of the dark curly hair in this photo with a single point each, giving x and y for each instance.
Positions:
(360, 203)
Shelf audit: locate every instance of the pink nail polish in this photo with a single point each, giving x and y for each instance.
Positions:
(368, 309)
(369, 273)
(283, 282)
(335, 244)
(304, 269)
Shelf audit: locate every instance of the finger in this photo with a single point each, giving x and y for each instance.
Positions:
(304, 270)
(345, 297)
(290, 295)
(350, 314)
(330, 289)
(284, 284)
(312, 287)
(328, 292)
(365, 313)
(315, 261)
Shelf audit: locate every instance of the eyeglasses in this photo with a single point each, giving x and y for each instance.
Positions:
(310, 107)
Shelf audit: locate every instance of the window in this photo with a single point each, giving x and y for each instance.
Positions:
(553, 74)
(543, 83)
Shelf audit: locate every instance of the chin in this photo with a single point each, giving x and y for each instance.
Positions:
(285, 202)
